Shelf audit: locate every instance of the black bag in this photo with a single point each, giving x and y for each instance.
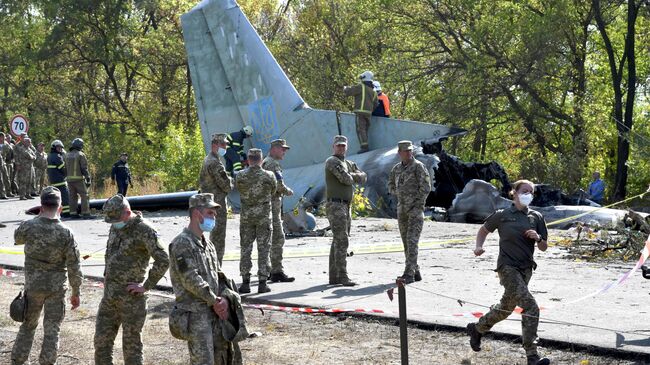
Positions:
(18, 308)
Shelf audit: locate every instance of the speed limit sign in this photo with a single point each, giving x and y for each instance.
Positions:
(18, 125)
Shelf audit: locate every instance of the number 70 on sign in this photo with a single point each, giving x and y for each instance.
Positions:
(18, 124)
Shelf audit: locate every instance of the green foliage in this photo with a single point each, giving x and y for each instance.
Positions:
(360, 205)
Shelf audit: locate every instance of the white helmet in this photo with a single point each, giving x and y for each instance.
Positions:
(57, 143)
(248, 130)
(366, 76)
(376, 85)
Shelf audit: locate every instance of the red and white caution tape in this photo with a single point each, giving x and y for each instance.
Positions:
(7, 273)
(311, 310)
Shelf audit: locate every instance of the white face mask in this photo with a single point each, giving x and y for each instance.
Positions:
(221, 151)
(526, 199)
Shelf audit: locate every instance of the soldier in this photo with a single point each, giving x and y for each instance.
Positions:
(131, 243)
(214, 179)
(11, 166)
(50, 253)
(520, 230)
(40, 165)
(25, 158)
(56, 174)
(409, 181)
(365, 100)
(78, 178)
(256, 187)
(121, 175)
(3, 170)
(206, 301)
(5, 152)
(235, 155)
(271, 163)
(340, 177)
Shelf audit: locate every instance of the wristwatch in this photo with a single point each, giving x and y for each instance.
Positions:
(540, 239)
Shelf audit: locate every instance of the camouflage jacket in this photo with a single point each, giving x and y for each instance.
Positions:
(41, 161)
(50, 253)
(213, 177)
(273, 165)
(128, 251)
(7, 152)
(196, 277)
(24, 156)
(410, 183)
(256, 187)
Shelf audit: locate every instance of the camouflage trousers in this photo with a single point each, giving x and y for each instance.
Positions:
(53, 304)
(277, 239)
(24, 180)
(129, 311)
(77, 189)
(338, 214)
(11, 169)
(254, 227)
(5, 178)
(515, 281)
(410, 223)
(218, 234)
(207, 345)
(39, 180)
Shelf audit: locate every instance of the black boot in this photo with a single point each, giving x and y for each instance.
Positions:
(536, 360)
(417, 276)
(245, 286)
(281, 277)
(262, 287)
(345, 281)
(474, 337)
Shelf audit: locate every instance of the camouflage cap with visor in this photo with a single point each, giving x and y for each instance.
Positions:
(114, 207)
(203, 200)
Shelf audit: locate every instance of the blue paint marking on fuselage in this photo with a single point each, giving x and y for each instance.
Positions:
(262, 117)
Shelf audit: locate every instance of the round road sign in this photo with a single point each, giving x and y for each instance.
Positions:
(18, 124)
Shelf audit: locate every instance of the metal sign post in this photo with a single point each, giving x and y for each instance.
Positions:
(403, 335)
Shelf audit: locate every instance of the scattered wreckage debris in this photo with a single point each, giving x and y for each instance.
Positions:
(595, 242)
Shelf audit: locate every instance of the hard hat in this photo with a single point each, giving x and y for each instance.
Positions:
(376, 85)
(78, 143)
(366, 76)
(57, 143)
(248, 130)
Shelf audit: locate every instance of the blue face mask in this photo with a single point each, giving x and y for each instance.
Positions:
(119, 225)
(207, 225)
(221, 151)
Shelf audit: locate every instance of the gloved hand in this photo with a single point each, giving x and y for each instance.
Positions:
(87, 182)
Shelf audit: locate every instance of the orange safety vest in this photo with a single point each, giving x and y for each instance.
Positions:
(384, 98)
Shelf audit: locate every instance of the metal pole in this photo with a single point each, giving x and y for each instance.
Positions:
(403, 336)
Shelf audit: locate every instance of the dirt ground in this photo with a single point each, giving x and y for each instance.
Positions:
(284, 338)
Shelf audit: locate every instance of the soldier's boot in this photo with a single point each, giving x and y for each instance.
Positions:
(417, 276)
(281, 277)
(29, 197)
(536, 360)
(10, 195)
(262, 287)
(245, 286)
(88, 216)
(345, 281)
(408, 279)
(474, 337)
(23, 198)
(3, 197)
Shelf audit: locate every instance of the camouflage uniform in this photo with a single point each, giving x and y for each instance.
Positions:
(25, 158)
(197, 280)
(214, 179)
(77, 170)
(127, 258)
(3, 172)
(256, 187)
(40, 166)
(340, 177)
(277, 238)
(8, 154)
(50, 255)
(515, 267)
(411, 184)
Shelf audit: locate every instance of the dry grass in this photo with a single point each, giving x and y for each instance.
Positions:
(286, 338)
(148, 186)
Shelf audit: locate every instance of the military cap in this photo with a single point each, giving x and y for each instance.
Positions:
(340, 140)
(405, 146)
(203, 200)
(114, 207)
(219, 138)
(280, 142)
(41, 144)
(124, 154)
(255, 152)
(50, 196)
